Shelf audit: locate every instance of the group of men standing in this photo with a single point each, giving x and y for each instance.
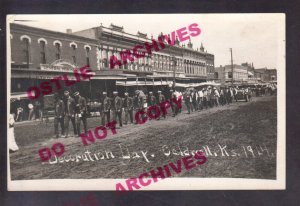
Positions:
(69, 109)
(210, 96)
(131, 105)
(75, 109)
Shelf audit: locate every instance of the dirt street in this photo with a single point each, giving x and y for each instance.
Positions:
(239, 141)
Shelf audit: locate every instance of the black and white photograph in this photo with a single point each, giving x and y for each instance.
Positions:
(127, 102)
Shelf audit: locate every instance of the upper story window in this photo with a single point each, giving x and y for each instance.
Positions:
(87, 53)
(58, 46)
(73, 53)
(57, 51)
(25, 49)
(25, 45)
(43, 52)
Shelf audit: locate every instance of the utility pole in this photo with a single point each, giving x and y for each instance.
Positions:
(174, 71)
(231, 66)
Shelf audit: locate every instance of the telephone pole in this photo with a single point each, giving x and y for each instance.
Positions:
(231, 67)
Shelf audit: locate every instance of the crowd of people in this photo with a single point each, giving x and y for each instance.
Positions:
(76, 109)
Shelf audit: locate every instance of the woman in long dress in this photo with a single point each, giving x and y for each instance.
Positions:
(12, 145)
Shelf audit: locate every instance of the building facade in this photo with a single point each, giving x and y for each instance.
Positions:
(266, 75)
(225, 74)
(39, 54)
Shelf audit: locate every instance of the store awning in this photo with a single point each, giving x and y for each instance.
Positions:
(109, 77)
(197, 84)
(142, 83)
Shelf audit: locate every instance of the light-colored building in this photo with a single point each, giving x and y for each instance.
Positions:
(225, 75)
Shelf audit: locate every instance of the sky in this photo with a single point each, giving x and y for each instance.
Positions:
(257, 38)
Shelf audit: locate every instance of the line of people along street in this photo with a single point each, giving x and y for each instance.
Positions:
(123, 109)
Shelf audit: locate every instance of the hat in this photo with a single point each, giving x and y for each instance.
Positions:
(150, 92)
(76, 93)
(137, 91)
(171, 90)
(115, 92)
(158, 91)
(66, 92)
(126, 93)
(104, 92)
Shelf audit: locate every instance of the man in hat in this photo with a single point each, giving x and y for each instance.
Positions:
(117, 108)
(205, 102)
(235, 90)
(69, 113)
(105, 104)
(138, 103)
(161, 99)
(151, 99)
(169, 96)
(128, 107)
(216, 96)
(173, 104)
(59, 112)
(194, 99)
(81, 112)
(188, 100)
(200, 99)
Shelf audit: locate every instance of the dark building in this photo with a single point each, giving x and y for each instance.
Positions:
(266, 75)
(38, 55)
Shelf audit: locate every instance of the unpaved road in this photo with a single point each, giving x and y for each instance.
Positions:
(239, 141)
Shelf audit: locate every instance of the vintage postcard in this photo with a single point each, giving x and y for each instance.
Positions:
(130, 102)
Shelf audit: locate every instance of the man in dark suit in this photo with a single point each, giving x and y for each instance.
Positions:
(138, 103)
(117, 108)
(81, 112)
(69, 113)
(128, 107)
(105, 108)
(59, 112)
(161, 100)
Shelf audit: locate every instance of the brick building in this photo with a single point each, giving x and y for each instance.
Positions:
(266, 75)
(39, 54)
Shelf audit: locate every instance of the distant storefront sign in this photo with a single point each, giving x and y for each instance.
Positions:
(58, 65)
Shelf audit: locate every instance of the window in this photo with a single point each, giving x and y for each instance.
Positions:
(74, 53)
(87, 52)
(58, 50)
(229, 74)
(43, 52)
(25, 43)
